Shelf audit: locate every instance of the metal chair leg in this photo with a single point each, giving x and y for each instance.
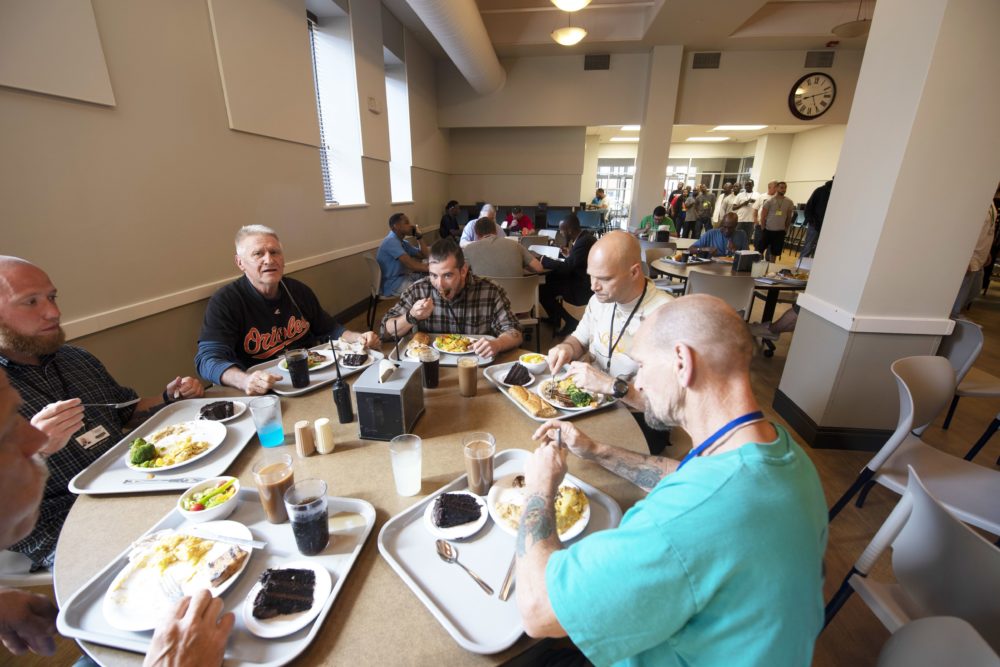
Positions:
(951, 413)
(987, 434)
(839, 598)
(863, 478)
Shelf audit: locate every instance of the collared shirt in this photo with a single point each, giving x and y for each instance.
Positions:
(714, 238)
(481, 308)
(69, 373)
(394, 273)
(469, 232)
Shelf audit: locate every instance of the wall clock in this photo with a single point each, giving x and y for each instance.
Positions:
(812, 95)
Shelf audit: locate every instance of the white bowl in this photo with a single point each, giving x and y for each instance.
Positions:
(535, 368)
(212, 513)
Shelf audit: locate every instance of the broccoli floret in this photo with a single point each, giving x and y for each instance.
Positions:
(141, 452)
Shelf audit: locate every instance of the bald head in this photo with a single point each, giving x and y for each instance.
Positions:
(615, 268)
(12, 272)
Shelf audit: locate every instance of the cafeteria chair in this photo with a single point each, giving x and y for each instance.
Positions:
(962, 347)
(940, 567)
(935, 641)
(15, 571)
(650, 255)
(737, 291)
(374, 289)
(969, 491)
(523, 295)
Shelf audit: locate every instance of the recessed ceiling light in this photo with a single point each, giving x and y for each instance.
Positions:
(569, 35)
(570, 5)
(706, 139)
(737, 128)
(627, 139)
(630, 128)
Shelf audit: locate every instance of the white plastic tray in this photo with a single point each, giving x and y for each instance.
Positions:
(479, 623)
(317, 379)
(495, 373)
(446, 358)
(82, 617)
(107, 474)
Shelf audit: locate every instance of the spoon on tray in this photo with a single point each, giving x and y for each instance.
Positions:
(449, 554)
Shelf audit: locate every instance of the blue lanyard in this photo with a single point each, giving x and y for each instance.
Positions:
(721, 433)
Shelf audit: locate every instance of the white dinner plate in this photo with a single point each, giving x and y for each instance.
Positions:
(239, 407)
(373, 356)
(443, 351)
(279, 626)
(456, 532)
(560, 406)
(205, 430)
(136, 601)
(503, 491)
(283, 364)
(526, 384)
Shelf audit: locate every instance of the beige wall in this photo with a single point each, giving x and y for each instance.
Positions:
(813, 160)
(132, 208)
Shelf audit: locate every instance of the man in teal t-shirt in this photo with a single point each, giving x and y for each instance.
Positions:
(721, 563)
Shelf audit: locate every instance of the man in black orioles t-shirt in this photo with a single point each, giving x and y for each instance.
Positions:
(253, 319)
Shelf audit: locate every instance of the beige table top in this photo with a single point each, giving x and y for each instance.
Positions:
(376, 619)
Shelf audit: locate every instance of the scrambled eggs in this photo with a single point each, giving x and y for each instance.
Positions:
(453, 343)
(571, 503)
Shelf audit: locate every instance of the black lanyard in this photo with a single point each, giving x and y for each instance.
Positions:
(721, 433)
(612, 342)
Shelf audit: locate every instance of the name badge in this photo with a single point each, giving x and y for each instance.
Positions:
(779, 212)
(93, 437)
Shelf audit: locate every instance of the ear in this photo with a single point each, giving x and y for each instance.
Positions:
(682, 357)
(239, 262)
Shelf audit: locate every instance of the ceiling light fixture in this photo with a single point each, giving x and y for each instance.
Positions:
(737, 128)
(630, 128)
(571, 5)
(624, 139)
(569, 35)
(856, 28)
(707, 139)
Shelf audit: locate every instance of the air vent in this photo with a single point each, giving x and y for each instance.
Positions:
(819, 59)
(597, 61)
(706, 60)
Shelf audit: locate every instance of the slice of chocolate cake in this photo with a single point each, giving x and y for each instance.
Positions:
(455, 509)
(217, 410)
(517, 375)
(354, 359)
(284, 592)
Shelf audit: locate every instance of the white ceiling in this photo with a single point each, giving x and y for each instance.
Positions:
(522, 27)
(682, 132)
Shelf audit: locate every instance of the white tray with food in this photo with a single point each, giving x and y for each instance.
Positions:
(323, 372)
(113, 472)
(477, 622)
(270, 642)
(452, 347)
(530, 401)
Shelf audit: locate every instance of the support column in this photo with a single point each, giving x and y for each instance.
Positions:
(657, 125)
(890, 260)
(589, 177)
(770, 159)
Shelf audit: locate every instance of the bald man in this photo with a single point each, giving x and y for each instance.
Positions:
(54, 381)
(623, 298)
(724, 554)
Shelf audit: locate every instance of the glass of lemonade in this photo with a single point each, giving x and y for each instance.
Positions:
(406, 458)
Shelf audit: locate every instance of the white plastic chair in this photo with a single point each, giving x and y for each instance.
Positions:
(936, 641)
(734, 290)
(374, 289)
(523, 295)
(650, 255)
(962, 347)
(943, 568)
(969, 491)
(15, 571)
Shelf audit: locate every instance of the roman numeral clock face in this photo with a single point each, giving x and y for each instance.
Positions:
(812, 96)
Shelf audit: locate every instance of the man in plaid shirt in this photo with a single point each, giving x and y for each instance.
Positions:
(59, 385)
(453, 300)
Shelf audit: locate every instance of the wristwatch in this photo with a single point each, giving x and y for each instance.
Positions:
(410, 318)
(620, 388)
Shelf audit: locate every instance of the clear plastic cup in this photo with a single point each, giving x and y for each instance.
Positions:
(405, 452)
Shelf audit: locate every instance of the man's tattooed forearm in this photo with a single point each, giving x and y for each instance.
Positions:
(537, 521)
(641, 474)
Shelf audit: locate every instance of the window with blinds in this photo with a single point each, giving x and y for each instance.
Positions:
(337, 108)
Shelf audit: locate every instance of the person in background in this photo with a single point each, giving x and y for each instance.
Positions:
(454, 300)
(519, 223)
(449, 227)
(977, 263)
(745, 207)
(701, 205)
(67, 393)
(649, 225)
(720, 209)
(723, 241)
(401, 262)
(494, 257)
(815, 212)
(469, 232)
(567, 278)
(724, 555)
(194, 635)
(255, 318)
(777, 214)
(678, 211)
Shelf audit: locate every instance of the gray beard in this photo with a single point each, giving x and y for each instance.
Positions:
(671, 419)
(37, 346)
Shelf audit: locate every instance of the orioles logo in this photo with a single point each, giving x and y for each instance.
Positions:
(264, 345)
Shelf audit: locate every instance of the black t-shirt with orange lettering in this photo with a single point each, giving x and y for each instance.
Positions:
(244, 328)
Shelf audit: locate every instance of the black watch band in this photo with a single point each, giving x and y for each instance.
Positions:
(410, 318)
(619, 388)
